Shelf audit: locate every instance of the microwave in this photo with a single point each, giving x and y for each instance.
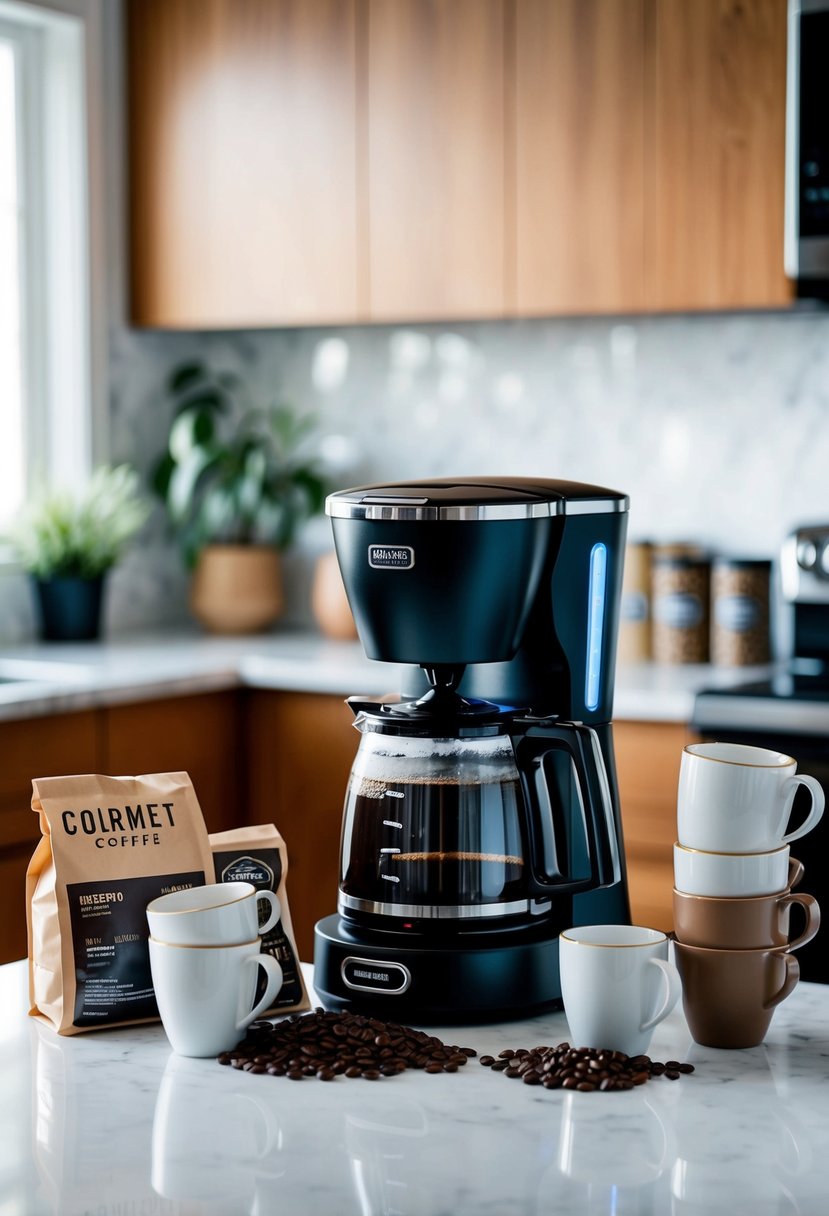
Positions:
(807, 141)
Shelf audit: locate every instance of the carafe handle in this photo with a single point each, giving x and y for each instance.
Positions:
(534, 743)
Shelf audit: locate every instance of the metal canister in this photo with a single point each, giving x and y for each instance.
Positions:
(740, 611)
(680, 585)
(635, 611)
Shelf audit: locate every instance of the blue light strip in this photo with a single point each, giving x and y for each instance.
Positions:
(595, 623)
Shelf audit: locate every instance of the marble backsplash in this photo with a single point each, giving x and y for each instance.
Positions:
(717, 426)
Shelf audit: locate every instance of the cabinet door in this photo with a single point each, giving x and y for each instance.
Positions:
(301, 747)
(243, 164)
(435, 151)
(199, 735)
(579, 141)
(648, 756)
(36, 747)
(715, 194)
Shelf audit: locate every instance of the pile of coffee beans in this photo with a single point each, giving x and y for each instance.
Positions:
(328, 1045)
(582, 1068)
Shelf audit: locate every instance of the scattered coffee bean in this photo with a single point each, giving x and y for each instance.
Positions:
(328, 1045)
(584, 1069)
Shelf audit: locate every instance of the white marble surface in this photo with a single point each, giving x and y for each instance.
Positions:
(113, 1124)
(38, 679)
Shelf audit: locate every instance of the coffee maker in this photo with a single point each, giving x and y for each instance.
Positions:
(482, 814)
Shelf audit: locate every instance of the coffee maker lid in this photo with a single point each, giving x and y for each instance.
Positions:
(478, 498)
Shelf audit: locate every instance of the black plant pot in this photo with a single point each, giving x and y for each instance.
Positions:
(69, 608)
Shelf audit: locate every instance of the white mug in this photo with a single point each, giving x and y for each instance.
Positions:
(220, 914)
(617, 985)
(737, 799)
(734, 874)
(205, 994)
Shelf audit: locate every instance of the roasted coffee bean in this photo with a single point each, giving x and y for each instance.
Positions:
(584, 1069)
(487, 1061)
(327, 1045)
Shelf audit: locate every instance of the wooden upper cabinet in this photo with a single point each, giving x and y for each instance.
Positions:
(715, 188)
(243, 161)
(579, 155)
(435, 158)
(300, 162)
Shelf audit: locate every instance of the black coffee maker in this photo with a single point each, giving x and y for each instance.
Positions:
(481, 816)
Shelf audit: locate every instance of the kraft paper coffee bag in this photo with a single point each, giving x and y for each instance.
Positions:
(110, 845)
(258, 855)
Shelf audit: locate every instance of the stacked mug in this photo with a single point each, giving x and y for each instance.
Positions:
(733, 880)
(205, 958)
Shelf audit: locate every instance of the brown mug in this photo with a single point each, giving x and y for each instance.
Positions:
(758, 922)
(729, 996)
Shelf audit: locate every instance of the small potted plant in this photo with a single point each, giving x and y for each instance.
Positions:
(237, 479)
(67, 543)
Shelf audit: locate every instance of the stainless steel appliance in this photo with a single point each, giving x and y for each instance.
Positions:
(481, 816)
(807, 144)
(790, 710)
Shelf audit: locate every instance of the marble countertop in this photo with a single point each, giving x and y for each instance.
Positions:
(40, 679)
(114, 1123)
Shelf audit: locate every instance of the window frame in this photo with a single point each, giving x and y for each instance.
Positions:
(58, 47)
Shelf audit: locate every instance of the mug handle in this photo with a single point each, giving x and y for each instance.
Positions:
(818, 800)
(796, 871)
(275, 910)
(274, 973)
(673, 991)
(792, 976)
(811, 908)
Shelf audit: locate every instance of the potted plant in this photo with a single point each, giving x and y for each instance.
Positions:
(237, 479)
(67, 543)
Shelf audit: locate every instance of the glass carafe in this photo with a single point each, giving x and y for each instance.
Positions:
(432, 828)
(464, 821)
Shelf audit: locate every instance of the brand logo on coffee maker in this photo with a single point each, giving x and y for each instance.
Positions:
(391, 557)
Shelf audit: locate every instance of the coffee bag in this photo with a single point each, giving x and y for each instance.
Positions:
(109, 846)
(258, 855)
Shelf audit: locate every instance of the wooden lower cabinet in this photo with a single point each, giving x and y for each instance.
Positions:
(284, 758)
(200, 735)
(33, 747)
(300, 748)
(648, 756)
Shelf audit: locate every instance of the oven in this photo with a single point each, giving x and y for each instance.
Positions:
(789, 712)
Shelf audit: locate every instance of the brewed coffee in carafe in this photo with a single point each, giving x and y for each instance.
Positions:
(432, 828)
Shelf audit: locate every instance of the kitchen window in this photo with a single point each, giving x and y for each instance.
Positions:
(45, 353)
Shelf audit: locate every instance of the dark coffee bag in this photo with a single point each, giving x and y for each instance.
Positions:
(258, 855)
(109, 846)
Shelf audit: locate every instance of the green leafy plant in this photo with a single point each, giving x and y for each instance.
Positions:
(63, 535)
(234, 472)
